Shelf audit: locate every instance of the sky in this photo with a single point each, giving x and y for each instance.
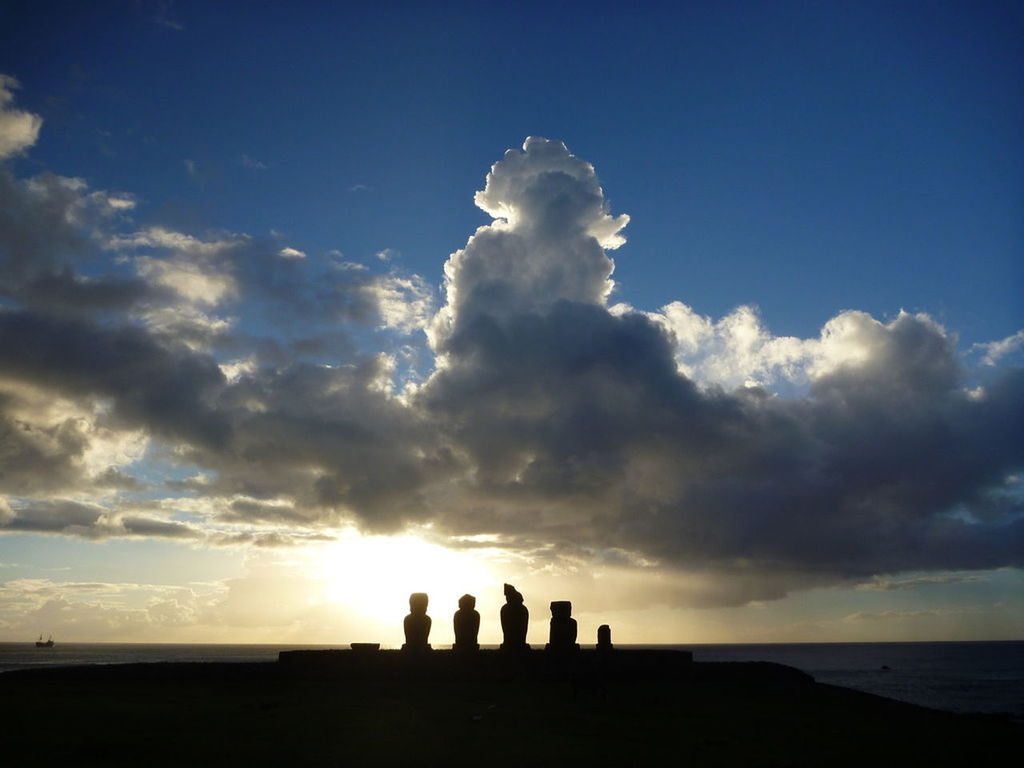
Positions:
(704, 316)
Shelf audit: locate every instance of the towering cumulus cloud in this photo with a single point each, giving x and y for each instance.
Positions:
(546, 244)
(210, 388)
(574, 424)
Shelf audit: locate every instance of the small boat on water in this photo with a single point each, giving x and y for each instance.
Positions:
(40, 643)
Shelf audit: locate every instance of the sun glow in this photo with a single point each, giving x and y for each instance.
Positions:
(375, 575)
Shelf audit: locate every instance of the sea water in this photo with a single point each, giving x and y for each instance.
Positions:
(955, 676)
(983, 677)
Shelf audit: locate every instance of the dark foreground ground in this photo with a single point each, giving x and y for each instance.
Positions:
(349, 710)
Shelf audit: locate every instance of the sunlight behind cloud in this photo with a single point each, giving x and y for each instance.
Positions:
(374, 575)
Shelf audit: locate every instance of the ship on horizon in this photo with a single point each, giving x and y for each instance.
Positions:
(40, 643)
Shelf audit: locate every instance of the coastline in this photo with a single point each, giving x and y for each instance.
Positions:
(956, 676)
(389, 708)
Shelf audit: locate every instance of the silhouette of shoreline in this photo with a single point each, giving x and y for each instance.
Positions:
(349, 707)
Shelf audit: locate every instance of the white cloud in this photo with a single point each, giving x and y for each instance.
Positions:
(165, 16)
(405, 302)
(547, 190)
(291, 253)
(95, 611)
(19, 130)
(235, 370)
(161, 237)
(194, 281)
(350, 266)
(113, 202)
(547, 243)
(253, 163)
(197, 270)
(738, 350)
(994, 351)
(187, 325)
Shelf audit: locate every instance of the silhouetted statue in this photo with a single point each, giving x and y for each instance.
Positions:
(417, 623)
(563, 627)
(515, 619)
(604, 638)
(467, 625)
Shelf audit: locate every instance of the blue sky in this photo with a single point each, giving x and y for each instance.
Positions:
(806, 157)
(274, 192)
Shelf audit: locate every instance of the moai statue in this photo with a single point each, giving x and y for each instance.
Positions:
(515, 618)
(417, 623)
(563, 627)
(467, 625)
(604, 638)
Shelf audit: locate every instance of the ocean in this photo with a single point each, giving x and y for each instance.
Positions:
(985, 677)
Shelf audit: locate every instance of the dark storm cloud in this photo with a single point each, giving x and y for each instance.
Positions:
(64, 291)
(247, 510)
(48, 225)
(36, 459)
(89, 521)
(163, 529)
(55, 517)
(328, 438)
(167, 390)
(267, 540)
(554, 402)
(92, 521)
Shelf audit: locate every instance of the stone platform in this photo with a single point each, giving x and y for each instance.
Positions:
(485, 664)
(488, 665)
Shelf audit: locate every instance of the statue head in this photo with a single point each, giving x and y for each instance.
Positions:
(418, 602)
(561, 609)
(512, 595)
(467, 603)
